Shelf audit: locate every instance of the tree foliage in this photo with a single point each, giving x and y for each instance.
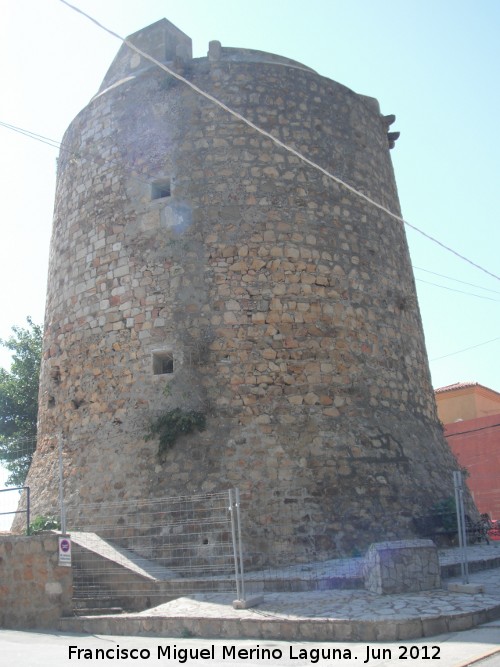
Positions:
(19, 401)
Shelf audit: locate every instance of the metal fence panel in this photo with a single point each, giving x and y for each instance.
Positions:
(143, 552)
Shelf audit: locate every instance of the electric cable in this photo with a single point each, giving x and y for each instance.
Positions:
(274, 139)
(474, 430)
(456, 280)
(465, 349)
(459, 291)
(32, 135)
(76, 155)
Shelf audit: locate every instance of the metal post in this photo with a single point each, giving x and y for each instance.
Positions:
(27, 488)
(240, 548)
(235, 549)
(61, 488)
(462, 534)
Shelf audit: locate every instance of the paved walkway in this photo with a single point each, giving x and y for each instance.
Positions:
(332, 615)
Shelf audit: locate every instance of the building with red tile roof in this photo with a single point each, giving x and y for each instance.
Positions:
(470, 413)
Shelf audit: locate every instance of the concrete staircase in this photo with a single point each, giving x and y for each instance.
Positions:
(90, 599)
(108, 579)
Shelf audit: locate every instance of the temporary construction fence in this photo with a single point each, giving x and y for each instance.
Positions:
(139, 553)
(142, 552)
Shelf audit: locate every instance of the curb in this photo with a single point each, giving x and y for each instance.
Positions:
(274, 627)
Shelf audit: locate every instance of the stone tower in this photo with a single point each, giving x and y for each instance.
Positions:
(195, 266)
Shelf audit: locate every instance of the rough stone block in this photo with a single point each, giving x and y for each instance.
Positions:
(248, 603)
(401, 567)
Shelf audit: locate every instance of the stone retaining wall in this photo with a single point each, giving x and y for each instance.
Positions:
(34, 590)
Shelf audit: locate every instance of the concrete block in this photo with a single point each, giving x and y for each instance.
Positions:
(248, 603)
(471, 589)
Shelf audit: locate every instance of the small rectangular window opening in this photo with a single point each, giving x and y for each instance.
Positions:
(160, 189)
(163, 363)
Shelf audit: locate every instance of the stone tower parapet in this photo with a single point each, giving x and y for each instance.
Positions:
(196, 265)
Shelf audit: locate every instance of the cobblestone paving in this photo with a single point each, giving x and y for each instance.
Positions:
(323, 615)
(347, 605)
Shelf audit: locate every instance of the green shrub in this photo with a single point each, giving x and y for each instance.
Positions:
(42, 523)
(445, 512)
(174, 423)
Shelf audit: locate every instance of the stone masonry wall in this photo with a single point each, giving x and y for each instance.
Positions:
(287, 303)
(34, 590)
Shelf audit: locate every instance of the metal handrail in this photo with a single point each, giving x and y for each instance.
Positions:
(26, 511)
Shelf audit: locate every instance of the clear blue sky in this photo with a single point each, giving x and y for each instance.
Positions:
(433, 63)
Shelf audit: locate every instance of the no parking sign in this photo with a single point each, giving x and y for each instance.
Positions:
(65, 551)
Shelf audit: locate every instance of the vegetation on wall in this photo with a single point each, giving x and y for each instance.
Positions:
(42, 523)
(174, 423)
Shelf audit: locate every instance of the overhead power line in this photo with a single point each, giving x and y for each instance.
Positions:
(459, 291)
(32, 135)
(456, 280)
(77, 155)
(474, 430)
(274, 139)
(465, 349)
